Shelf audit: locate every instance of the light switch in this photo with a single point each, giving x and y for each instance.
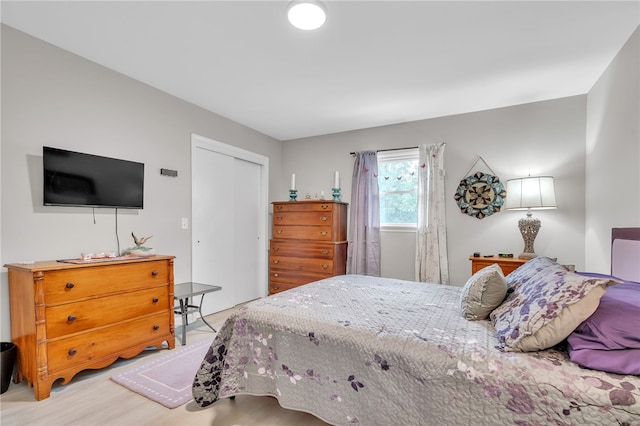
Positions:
(185, 223)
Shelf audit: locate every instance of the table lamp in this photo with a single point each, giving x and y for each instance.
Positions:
(530, 193)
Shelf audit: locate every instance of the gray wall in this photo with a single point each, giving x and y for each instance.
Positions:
(613, 154)
(544, 138)
(52, 97)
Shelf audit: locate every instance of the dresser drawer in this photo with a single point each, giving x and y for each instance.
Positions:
(294, 277)
(71, 318)
(67, 285)
(300, 264)
(303, 218)
(301, 249)
(87, 348)
(277, 287)
(317, 233)
(302, 206)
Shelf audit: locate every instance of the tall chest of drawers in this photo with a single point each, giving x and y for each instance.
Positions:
(309, 243)
(66, 318)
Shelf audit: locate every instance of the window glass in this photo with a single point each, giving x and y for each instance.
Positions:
(398, 183)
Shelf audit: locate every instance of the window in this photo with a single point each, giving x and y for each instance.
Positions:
(398, 183)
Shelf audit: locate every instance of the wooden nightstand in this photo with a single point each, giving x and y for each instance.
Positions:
(508, 264)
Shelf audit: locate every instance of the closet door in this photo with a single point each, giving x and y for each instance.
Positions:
(229, 216)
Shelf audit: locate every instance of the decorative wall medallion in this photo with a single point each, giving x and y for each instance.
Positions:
(480, 195)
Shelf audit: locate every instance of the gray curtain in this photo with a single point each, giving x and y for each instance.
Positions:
(364, 217)
(431, 240)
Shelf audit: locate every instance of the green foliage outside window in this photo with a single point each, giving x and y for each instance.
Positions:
(398, 183)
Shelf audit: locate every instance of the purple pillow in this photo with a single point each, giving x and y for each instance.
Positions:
(609, 340)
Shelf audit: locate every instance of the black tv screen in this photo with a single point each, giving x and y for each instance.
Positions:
(77, 179)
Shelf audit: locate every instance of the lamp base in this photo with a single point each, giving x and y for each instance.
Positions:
(529, 228)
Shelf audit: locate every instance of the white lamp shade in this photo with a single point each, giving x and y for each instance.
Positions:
(306, 15)
(533, 193)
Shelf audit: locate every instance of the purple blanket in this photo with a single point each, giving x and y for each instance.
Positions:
(609, 340)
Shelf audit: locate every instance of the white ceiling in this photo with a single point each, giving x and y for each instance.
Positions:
(374, 62)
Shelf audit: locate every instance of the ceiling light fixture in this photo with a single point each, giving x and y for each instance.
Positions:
(307, 15)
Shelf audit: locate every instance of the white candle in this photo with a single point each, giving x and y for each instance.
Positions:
(293, 181)
(336, 180)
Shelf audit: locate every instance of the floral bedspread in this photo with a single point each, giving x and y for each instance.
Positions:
(373, 351)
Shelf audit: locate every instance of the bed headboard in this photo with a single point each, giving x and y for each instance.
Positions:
(625, 253)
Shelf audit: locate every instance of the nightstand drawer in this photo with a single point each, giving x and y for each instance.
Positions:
(507, 264)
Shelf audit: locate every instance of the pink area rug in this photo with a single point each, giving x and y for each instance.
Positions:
(167, 379)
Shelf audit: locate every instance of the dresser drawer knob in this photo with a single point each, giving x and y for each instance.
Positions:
(279, 231)
(324, 251)
(278, 207)
(70, 285)
(72, 351)
(156, 327)
(275, 287)
(276, 275)
(154, 273)
(325, 266)
(324, 233)
(276, 249)
(324, 206)
(278, 217)
(323, 219)
(71, 318)
(155, 300)
(276, 262)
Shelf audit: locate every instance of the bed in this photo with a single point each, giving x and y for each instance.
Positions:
(373, 351)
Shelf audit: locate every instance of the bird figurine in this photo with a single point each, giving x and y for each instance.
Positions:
(140, 241)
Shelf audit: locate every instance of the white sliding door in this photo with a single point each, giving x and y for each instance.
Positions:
(229, 222)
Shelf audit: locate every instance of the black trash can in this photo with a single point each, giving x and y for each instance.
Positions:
(7, 359)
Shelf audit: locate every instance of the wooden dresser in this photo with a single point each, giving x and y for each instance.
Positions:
(507, 264)
(66, 318)
(309, 243)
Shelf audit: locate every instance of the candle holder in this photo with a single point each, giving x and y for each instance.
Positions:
(293, 195)
(336, 194)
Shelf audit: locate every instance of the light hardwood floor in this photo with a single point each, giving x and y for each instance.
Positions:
(92, 399)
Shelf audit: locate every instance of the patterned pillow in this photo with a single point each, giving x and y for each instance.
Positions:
(546, 307)
(483, 292)
(526, 271)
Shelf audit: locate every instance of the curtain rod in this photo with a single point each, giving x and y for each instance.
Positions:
(390, 149)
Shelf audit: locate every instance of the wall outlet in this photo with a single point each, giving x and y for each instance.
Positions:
(185, 223)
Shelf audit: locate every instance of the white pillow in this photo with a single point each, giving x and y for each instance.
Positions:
(483, 292)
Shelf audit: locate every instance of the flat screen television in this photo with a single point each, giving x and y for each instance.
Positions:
(77, 179)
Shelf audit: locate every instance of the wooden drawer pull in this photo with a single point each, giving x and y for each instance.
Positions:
(324, 233)
(275, 287)
(154, 273)
(156, 327)
(70, 285)
(324, 251)
(155, 300)
(278, 217)
(278, 207)
(325, 266)
(276, 275)
(276, 249)
(323, 219)
(324, 206)
(72, 351)
(279, 231)
(71, 318)
(276, 261)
